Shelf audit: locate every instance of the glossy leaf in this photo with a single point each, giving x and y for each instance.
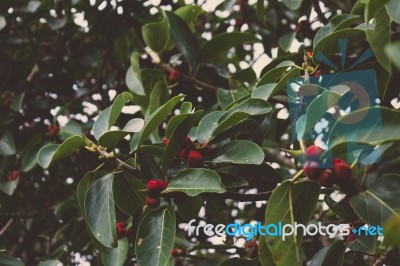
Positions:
(192, 182)
(275, 74)
(293, 4)
(189, 13)
(133, 77)
(185, 40)
(156, 35)
(3, 22)
(285, 42)
(207, 125)
(330, 255)
(379, 201)
(226, 97)
(380, 37)
(264, 254)
(264, 91)
(392, 231)
(340, 209)
(109, 116)
(100, 211)
(393, 9)
(155, 237)
(239, 152)
(318, 108)
(364, 244)
(338, 22)
(222, 42)
(393, 51)
(54, 152)
(17, 102)
(152, 122)
(70, 129)
(9, 187)
(7, 145)
(7, 260)
(116, 256)
(127, 194)
(111, 138)
(290, 203)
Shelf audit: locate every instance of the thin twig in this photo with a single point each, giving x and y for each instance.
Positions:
(319, 12)
(118, 162)
(8, 224)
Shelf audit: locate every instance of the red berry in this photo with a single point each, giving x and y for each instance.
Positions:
(188, 141)
(53, 130)
(326, 179)
(351, 237)
(165, 141)
(313, 152)
(250, 244)
(120, 228)
(312, 171)
(152, 202)
(155, 186)
(174, 252)
(175, 74)
(13, 175)
(310, 54)
(357, 223)
(195, 159)
(342, 170)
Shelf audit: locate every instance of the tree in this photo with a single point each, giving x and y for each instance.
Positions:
(122, 121)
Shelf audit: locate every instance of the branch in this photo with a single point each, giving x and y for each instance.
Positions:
(8, 224)
(118, 162)
(318, 10)
(195, 81)
(240, 196)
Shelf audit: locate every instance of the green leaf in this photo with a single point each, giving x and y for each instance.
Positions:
(245, 75)
(250, 107)
(56, 23)
(207, 125)
(174, 122)
(3, 22)
(54, 152)
(226, 97)
(70, 129)
(364, 244)
(276, 73)
(111, 138)
(293, 4)
(285, 42)
(380, 37)
(329, 45)
(159, 95)
(264, 254)
(190, 207)
(222, 42)
(393, 51)
(189, 13)
(373, 133)
(185, 40)
(127, 195)
(393, 9)
(7, 260)
(100, 211)
(152, 122)
(192, 182)
(290, 203)
(293, 73)
(340, 209)
(264, 91)
(318, 107)
(177, 138)
(116, 256)
(133, 77)
(9, 187)
(338, 22)
(380, 201)
(330, 255)
(17, 102)
(156, 35)
(50, 263)
(29, 160)
(7, 145)
(155, 237)
(109, 116)
(392, 231)
(239, 152)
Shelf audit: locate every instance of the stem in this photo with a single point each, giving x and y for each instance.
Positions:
(318, 10)
(297, 176)
(118, 162)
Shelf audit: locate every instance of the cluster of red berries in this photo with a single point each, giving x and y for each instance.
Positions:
(53, 130)
(14, 175)
(174, 75)
(192, 152)
(121, 229)
(354, 225)
(154, 188)
(339, 174)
